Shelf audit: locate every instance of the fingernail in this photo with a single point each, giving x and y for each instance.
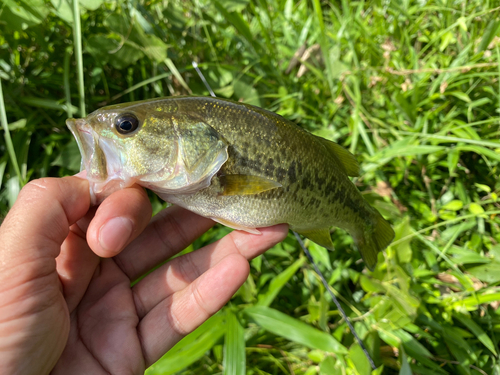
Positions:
(81, 174)
(115, 233)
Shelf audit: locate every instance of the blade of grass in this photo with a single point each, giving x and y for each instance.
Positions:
(446, 222)
(3, 164)
(234, 346)
(191, 347)
(278, 282)
(77, 37)
(171, 66)
(8, 139)
(447, 138)
(293, 329)
(323, 41)
(477, 330)
(138, 86)
(67, 91)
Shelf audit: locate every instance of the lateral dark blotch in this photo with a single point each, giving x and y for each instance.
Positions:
(269, 167)
(341, 196)
(306, 182)
(320, 182)
(280, 173)
(292, 174)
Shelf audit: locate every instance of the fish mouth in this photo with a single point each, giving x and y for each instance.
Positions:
(93, 158)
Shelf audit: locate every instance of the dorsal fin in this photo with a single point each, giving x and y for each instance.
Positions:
(346, 159)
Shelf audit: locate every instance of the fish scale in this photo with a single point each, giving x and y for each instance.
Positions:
(237, 164)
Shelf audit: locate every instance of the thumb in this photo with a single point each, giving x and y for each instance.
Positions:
(36, 226)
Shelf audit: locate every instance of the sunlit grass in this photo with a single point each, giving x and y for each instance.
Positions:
(8, 139)
(412, 88)
(77, 42)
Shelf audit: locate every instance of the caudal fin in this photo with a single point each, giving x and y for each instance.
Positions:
(374, 239)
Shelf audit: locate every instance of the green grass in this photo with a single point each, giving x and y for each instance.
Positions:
(411, 87)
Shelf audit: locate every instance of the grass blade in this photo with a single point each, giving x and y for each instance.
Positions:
(77, 37)
(234, 346)
(279, 282)
(67, 87)
(8, 139)
(191, 347)
(323, 41)
(478, 331)
(171, 66)
(292, 329)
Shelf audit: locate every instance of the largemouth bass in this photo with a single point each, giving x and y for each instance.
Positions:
(237, 164)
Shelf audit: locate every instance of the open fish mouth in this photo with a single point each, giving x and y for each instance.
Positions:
(93, 158)
(100, 159)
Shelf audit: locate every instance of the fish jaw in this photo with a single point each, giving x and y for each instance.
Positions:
(83, 136)
(99, 160)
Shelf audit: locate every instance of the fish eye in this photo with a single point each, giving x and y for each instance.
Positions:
(126, 123)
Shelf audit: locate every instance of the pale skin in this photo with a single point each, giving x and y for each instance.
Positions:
(66, 304)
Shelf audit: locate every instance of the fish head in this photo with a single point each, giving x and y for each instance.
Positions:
(150, 144)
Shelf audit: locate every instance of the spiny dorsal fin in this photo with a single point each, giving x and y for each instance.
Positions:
(346, 159)
(320, 236)
(241, 184)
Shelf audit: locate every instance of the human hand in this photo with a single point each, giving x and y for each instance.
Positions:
(66, 309)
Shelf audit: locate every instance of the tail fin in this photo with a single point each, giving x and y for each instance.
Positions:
(374, 239)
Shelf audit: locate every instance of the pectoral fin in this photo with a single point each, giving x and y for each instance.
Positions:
(230, 224)
(319, 236)
(241, 184)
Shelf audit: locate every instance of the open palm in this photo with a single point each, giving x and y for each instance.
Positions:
(66, 303)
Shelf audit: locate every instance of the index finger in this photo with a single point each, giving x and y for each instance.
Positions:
(119, 219)
(168, 233)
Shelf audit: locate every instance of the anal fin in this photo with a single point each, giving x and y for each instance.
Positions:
(319, 236)
(230, 224)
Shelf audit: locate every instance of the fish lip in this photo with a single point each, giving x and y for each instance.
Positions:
(87, 143)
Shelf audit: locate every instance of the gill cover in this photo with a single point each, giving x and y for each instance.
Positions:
(199, 152)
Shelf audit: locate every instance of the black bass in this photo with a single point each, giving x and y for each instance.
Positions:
(237, 164)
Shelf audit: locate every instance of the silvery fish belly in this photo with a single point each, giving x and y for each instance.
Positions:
(240, 165)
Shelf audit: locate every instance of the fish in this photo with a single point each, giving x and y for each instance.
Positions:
(237, 164)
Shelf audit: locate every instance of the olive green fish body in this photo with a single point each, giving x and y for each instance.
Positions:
(316, 191)
(238, 164)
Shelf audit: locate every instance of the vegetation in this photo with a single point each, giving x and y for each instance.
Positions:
(411, 87)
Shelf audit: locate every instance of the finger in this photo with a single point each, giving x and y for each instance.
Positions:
(185, 310)
(180, 272)
(77, 262)
(170, 231)
(36, 226)
(119, 220)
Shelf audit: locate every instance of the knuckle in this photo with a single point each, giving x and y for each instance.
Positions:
(36, 189)
(175, 322)
(187, 268)
(139, 304)
(200, 302)
(170, 232)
